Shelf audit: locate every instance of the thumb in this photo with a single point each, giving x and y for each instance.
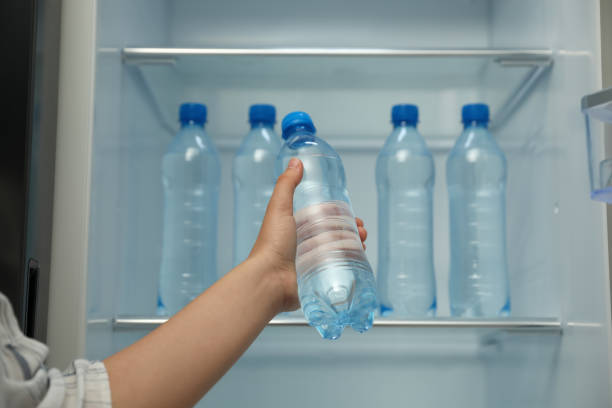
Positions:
(281, 202)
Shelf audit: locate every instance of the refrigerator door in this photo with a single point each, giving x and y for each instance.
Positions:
(13, 172)
(42, 162)
(28, 158)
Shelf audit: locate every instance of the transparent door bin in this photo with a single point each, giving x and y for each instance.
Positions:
(597, 109)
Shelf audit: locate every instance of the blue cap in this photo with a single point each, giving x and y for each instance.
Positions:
(475, 112)
(294, 120)
(192, 112)
(405, 113)
(262, 113)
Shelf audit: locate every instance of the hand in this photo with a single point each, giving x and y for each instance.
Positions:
(277, 240)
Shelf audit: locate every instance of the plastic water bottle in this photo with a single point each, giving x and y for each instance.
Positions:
(405, 178)
(335, 281)
(476, 177)
(253, 177)
(190, 176)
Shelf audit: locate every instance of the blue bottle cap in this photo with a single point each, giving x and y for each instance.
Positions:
(405, 113)
(262, 113)
(294, 120)
(475, 112)
(192, 112)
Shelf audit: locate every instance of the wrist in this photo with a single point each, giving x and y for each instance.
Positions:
(269, 279)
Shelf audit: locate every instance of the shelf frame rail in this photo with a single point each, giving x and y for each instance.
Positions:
(538, 68)
(539, 60)
(545, 325)
(139, 56)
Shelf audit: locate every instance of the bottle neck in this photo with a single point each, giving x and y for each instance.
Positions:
(255, 125)
(476, 124)
(403, 123)
(475, 133)
(295, 130)
(191, 123)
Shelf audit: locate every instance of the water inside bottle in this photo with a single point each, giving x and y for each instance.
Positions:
(334, 278)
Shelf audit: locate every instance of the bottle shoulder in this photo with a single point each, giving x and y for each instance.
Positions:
(261, 138)
(404, 162)
(476, 160)
(404, 149)
(406, 139)
(307, 145)
(193, 140)
(476, 139)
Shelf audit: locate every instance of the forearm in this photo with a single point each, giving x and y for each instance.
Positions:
(176, 364)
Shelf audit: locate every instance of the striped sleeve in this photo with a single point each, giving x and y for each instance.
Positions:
(83, 385)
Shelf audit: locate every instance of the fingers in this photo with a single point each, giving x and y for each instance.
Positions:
(363, 233)
(281, 202)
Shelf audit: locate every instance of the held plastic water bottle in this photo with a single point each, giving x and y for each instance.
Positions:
(476, 177)
(405, 179)
(190, 176)
(253, 177)
(335, 281)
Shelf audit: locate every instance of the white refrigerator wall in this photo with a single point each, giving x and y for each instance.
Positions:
(556, 241)
(581, 375)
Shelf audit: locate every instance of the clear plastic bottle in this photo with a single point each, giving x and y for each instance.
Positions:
(476, 177)
(404, 179)
(190, 175)
(253, 177)
(335, 281)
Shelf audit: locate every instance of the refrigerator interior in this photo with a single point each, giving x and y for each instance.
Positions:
(557, 251)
